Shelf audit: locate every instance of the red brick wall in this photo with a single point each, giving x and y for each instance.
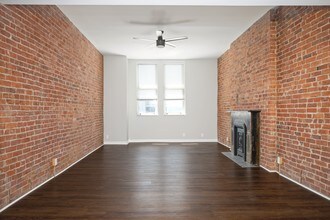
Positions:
(51, 84)
(247, 81)
(281, 66)
(303, 64)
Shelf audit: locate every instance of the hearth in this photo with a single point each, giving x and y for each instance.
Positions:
(245, 135)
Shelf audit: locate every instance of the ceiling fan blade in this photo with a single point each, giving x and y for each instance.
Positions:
(175, 39)
(137, 38)
(169, 44)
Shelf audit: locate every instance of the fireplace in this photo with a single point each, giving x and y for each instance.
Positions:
(245, 135)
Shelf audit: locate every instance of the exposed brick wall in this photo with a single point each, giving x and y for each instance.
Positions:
(247, 81)
(51, 84)
(303, 49)
(281, 66)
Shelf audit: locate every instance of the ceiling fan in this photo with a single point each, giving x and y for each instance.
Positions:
(160, 41)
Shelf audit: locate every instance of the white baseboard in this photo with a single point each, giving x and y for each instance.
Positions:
(170, 140)
(41, 184)
(159, 141)
(224, 145)
(288, 178)
(116, 142)
(268, 170)
(320, 194)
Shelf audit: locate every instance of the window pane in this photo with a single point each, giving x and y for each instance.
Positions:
(147, 94)
(174, 94)
(174, 76)
(147, 76)
(147, 107)
(174, 107)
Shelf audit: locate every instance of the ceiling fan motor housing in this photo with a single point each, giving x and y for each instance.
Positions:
(160, 42)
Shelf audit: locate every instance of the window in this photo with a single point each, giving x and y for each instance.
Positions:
(174, 97)
(147, 98)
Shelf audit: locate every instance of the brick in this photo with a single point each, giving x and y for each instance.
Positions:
(34, 84)
(291, 53)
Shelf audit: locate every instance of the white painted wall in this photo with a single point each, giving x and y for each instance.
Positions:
(115, 100)
(201, 106)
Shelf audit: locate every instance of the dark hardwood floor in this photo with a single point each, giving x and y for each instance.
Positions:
(143, 181)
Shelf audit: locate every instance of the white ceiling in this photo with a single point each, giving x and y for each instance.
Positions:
(210, 29)
(210, 25)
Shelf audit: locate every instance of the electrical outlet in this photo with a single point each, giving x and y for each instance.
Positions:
(202, 134)
(107, 137)
(183, 134)
(54, 162)
(279, 160)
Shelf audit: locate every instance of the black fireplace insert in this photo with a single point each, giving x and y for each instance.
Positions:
(240, 140)
(245, 135)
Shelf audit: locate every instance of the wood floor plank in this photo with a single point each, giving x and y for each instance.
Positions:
(145, 181)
